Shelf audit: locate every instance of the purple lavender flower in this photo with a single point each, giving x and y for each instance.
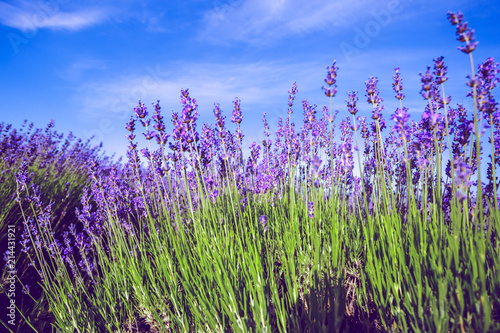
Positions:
(149, 135)
(316, 163)
(330, 92)
(351, 102)
(263, 221)
(291, 97)
(331, 76)
(331, 79)
(145, 153)
(266, 125)
(462, 176)
(145, 122)
(427, 84)
(162, 139)
(372, 92)
(237, 114)
(464, 33)
(397, 85)
(185, 127)
(309, 115)
(159, 126)
(364, 127)
(310, 209)
(254, 156)
(401, 117)
(440, 71)
(158, 118)
(23, 178)
(130, 126)
(463, 132)
(26, 289)
(207, 144)
(486, 82)
(377, 113)
(346, 161)
(141, 111)
(220, 121)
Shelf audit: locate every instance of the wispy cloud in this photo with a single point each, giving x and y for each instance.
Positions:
(261, 21)
(28, 16)
(258, 84)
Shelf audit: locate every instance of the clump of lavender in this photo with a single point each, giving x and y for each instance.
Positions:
(42, 172)
(487, 80)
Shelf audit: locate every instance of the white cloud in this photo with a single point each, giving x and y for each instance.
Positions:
(261, 21)
(27, 16)
(256, 84)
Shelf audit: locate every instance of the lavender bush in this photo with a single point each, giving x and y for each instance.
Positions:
(190, 235)
(39, 163)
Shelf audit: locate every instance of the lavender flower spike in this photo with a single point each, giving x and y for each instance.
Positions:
(440, 70)
(397, 85)
(487, 81)
(351, 102)
(237, 114)
(372, 92)
(464, 33)
(401, 118)
(310, 209)
(331, 79)
(427, 84)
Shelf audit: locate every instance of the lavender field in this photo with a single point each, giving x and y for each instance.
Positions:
(337, 223)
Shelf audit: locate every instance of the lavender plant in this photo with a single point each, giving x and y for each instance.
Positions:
(190, 235)
(39, 163)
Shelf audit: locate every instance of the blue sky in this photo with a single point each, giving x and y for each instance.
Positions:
(86, 63)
